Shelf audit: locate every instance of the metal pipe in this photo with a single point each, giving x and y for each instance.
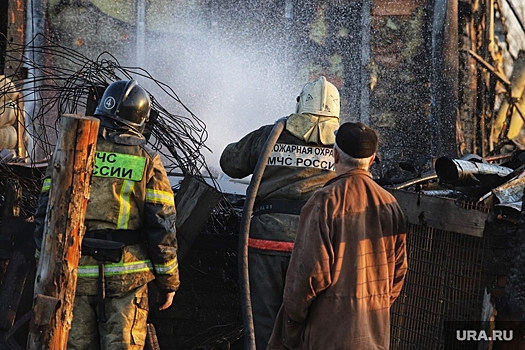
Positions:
(433, 176)
(34, 33)
(140, 6)
(511, 191)
(429, 177)
(452, 170)
(444, 77)
(251, 192)
(440, 193)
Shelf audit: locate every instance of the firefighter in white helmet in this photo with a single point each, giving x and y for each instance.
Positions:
(131, 211)
(300, 163)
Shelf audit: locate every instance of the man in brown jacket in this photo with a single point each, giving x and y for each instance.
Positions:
(349, 260)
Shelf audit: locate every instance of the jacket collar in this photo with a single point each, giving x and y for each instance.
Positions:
(353, 172)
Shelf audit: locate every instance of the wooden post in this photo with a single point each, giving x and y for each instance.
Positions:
(56, 276)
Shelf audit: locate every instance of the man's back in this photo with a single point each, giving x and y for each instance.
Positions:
(292, 171)
(349, 256)
(283, 179)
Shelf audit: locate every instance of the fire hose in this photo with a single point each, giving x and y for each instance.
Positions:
(251, 192)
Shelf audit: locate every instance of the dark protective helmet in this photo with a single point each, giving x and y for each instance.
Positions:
(126, 102)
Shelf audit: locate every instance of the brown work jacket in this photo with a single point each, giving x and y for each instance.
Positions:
(347, 267)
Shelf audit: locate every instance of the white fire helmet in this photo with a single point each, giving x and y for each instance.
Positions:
(319, 97)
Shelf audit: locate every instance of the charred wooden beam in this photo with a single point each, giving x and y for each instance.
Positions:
(56, 276)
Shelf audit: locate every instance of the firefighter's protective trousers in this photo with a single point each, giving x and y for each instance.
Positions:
(125, 328)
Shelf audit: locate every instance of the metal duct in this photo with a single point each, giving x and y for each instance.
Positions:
(452, 170)
(444, 77)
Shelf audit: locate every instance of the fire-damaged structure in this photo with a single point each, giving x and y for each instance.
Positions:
(441, 81)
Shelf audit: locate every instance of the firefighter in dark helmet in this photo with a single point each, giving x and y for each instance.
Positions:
(300, 163)
(131, 211)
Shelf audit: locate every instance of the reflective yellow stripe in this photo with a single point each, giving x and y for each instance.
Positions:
(167, 268)
(125, 206)
(116, 269)
(160, 197)
(46, 185)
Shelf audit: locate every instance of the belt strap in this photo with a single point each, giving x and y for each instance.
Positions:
(127, 237)
(102, 250)
(266, 244)
(278, 206)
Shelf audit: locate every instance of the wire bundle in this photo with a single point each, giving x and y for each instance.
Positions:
(54, 80)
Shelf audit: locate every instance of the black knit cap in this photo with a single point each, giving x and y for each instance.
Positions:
(356, 139)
